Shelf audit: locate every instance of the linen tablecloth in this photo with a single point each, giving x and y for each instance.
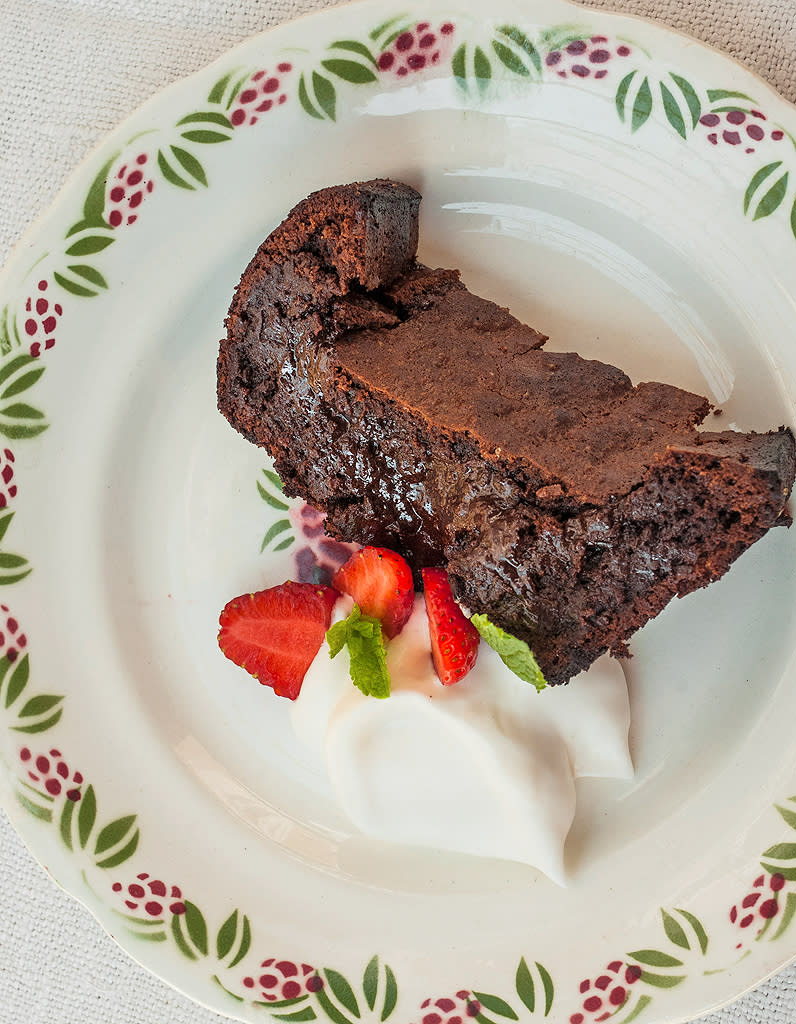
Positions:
(70, 70)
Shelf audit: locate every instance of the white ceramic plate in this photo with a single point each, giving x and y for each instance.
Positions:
(624, 189)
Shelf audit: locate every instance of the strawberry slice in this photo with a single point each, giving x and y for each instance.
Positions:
(454, 639)
(381, 583)
(275, 634)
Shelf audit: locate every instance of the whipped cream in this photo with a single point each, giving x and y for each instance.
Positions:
(485, 767)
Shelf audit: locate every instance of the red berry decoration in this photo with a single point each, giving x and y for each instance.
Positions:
(128, 186)
(380, 581)
(274, 634)
(260, 93)
(8, 489)
(40, 319)
(319, 558)
(417, 48)
(741, 129)
(603, 995)
(12, 640)
(454, 639)
(51, 773)
(457, 1009)
(149, 897)
(759, 906)
(590, 57)
(283, 980)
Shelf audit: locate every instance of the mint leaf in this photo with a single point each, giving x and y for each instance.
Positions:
(363, 637)
(514, 653)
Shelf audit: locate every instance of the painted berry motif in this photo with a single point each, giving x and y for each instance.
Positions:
(149, 897)
(127, 187)
(416, 49)
(758, 907)
(319, 558)
(51, 772)
(450, 1009)
(12, 640)
(746, 129)
(586, 58)
(40, 319)
(8, 489)
(283, 980)
(604, 995)
(262, 92)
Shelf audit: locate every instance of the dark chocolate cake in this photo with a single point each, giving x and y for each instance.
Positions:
(567, 504)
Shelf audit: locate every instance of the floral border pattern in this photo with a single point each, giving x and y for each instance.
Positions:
(52, 791)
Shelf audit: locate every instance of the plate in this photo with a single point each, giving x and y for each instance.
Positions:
(624, 189)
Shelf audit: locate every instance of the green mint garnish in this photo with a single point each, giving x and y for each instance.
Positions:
(363, 637)
(514, 653)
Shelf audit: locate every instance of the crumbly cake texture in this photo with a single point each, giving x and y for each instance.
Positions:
(567, 504)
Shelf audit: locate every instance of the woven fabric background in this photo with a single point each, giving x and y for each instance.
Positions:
(70, 70)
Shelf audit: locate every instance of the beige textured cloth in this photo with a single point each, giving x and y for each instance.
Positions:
(70, 70)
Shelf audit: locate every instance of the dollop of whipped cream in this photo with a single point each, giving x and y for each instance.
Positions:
(485, 767)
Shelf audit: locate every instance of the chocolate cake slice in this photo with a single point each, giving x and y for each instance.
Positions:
(567, 504)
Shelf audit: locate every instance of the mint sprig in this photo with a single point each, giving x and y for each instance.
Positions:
(363, 637)
(514, 653)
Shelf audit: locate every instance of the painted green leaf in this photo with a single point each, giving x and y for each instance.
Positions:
(42, 726)
(89, 245)
(5, 522)
(94, 206)
(150, 936)
(304, 99)
(458, 66)
(22, 383)
(18, 431)
(727, 94)
(775, 869)
(307, 1013)
(370, 981)
(5, 334)
(640, 1007)
(21, 411)
(621, 93)
(40, 705)
(772, 200)
(390, 992)
(787, 814)
(190, 164)
(512, 60)
(482, 68)
(43, 813)
(278, 527)
(325, 94)
(207, 117)
(205, 137)
(655, 958)
(86, 816)
(244, 945)
(519, 38)
(283, 545)
(642, 108)
(350, 71)
(675, 932)
(226, 935)
(65, 823)
(782, 851)
(170, 174)
(114, 833)
(179, 938)
(196, 927)
(341, 990)
(329, 1008)
(73, 287)
(523, 982)
(216, 94)
(18, 680)
(13, 365)
(232, 995)
(662, 980)
(559, 36)
(673, 113)
(496, 1005)
(690, 96)
(88, 273)
(124, 854)
(269, 499)
(793, 218)
(275, 479)
(547, 985)
(236, 88)
(509, 58)
(385, 26)
(352, 46)
(699, 929)
(787, 915)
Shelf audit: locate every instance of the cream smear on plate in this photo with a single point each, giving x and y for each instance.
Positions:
(485, 767)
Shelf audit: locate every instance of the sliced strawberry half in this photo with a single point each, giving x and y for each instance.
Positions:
(274, 634)
(380, 582)
(454, 639)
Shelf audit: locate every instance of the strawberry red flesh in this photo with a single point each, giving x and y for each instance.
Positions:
(274, 634)
(380, 582)
(454, 639)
